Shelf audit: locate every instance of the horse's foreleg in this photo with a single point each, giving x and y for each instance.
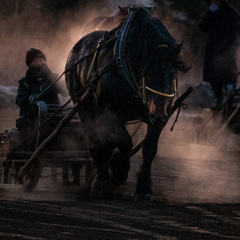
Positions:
(149, 150)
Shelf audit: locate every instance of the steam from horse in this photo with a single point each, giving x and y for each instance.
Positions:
(133, 71)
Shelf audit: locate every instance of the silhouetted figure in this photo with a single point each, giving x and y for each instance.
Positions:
(38, 77)
(222, 24)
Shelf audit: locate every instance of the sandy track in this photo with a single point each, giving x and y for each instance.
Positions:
(196, 196)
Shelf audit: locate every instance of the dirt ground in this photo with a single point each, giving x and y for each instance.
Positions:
(196, 191)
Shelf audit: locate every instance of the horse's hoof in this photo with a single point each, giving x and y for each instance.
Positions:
(101, 189)
(143, 197)
(120, 191)
(119, 180)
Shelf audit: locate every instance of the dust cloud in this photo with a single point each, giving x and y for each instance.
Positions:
(36, 27)
(33, 26)
(194, 168)
(238, 62)
(184, 170)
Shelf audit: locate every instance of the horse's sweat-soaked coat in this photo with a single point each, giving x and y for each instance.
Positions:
(114, 102)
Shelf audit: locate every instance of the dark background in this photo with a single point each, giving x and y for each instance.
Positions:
(55, 26)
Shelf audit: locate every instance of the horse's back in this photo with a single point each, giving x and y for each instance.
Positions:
(79, 60)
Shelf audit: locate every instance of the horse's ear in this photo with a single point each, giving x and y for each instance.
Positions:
(123, 10)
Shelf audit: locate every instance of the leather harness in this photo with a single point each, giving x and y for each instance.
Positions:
(120, 62)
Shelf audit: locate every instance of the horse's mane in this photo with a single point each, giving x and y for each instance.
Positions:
(106, 22)
(147, 32)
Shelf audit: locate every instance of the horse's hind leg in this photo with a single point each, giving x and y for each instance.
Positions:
(99, 177)
(119, 164)
(118, 144)
(102, 186)
(106, 134)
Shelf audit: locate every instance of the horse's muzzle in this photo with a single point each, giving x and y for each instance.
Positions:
(154, 119)
(157, 112)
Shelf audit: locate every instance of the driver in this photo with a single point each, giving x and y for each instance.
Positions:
(38, 77)
(221, 22)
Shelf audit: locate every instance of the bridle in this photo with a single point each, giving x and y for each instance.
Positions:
(160, 93)
(145, 87)
(125, 68)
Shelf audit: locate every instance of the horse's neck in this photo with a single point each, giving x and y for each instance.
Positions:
(135, 45)
(135, 55)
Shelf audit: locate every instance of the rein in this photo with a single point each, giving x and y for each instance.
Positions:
(75, 64)
(125, 69)
(119, 61)
(144, 87)
(36, 97)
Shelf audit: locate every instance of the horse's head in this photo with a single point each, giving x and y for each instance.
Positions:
(149, 53)
(160, 80)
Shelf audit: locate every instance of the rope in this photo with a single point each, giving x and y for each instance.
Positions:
(184, 106)
(178, 112)
(134, 133)
(75, 64)
(84, 96)
(60, 109)
(42, 124)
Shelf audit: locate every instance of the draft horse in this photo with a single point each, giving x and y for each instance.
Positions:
(133, 69)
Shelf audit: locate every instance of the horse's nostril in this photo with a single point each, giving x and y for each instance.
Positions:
(152, 118)
(151, 115)
(165, 118)
(160, 119)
